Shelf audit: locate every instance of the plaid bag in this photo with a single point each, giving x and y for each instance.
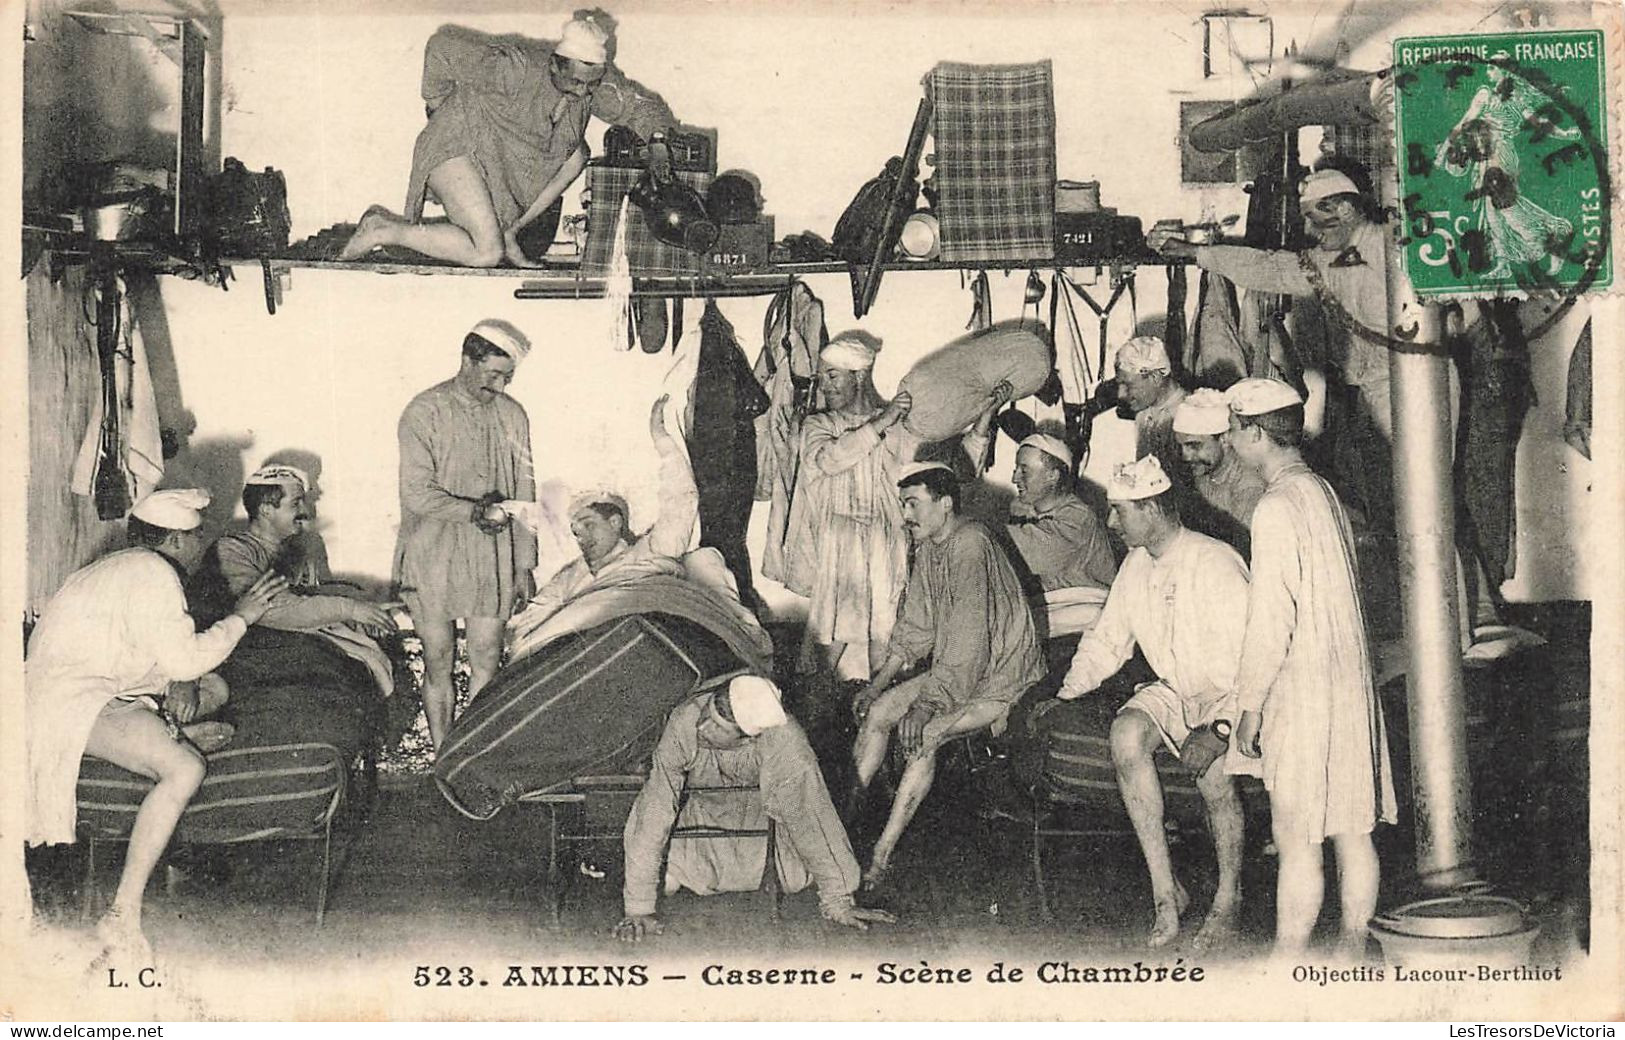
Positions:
(646, 254)
(995, 171)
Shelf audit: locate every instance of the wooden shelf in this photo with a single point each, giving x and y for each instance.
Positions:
(565, 280)
(559, 280)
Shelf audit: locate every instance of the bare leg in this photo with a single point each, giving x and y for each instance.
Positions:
(1134, 739)
(439, 637)
(1298, 892)
(136, 740)
(911, 791)
(869, 752)
(1225, 822)
(919, 774)
(484, 650)
(471, 235)
(1358, 877)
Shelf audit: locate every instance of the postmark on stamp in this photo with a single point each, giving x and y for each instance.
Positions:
(1503, 163)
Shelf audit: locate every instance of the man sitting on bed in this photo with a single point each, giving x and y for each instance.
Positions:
(274, 498)
(736, 735)
(1056, 536)
(963, 609)
(612, 555)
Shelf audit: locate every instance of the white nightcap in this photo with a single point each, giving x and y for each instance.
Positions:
(1257, 396)
(178, 509)
(1131, 481)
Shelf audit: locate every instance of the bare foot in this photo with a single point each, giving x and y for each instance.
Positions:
(1351, 946)
(122, 940)
(1165, 927)
(876, 876)
(1219, 929)
(367, 233)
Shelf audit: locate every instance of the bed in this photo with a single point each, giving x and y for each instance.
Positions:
(587, 693)
(307, 719)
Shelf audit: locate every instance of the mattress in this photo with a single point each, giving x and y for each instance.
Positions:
(589, 702)
(1078, 770)
(280, 790)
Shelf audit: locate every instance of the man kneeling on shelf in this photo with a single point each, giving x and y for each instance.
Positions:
(737, 736)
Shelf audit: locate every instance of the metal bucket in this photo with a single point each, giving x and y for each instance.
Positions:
(1469, 929)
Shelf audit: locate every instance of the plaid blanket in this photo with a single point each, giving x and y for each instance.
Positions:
(995, 148)
(646, 254)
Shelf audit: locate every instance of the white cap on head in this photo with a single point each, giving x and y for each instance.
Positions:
(1144, 354)
(504, 337)
(1257, 396)
(1204, 412)
(1132, 481)
(281, 475)
(923, 467)
(1323, 184)
(1052, 446)
(755, 703)
(849, 354)
(599, 497)
(583, 40)
(178, 509)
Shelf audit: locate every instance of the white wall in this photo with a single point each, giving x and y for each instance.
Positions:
(812, 102)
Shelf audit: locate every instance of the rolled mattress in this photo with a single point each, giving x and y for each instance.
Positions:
(950, 385)
(590, 702)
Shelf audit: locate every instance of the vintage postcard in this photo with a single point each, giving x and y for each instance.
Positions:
(818, 510)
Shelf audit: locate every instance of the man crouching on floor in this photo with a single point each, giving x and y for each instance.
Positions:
(963, 607)
(733, 736)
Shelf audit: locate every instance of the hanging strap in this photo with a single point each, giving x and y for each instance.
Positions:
(981, 311)
(1091, 374)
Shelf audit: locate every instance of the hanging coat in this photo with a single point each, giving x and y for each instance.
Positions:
(1577, 406)
(1495, 397)
(722, 445)
(793, 334)
(140, 449)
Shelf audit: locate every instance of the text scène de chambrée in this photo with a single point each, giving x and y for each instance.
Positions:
(887, 973)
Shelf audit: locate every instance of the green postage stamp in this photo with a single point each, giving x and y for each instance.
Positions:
(1503, 165)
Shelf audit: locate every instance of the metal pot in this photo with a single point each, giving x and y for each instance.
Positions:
(921, 238)
(113, 221)
(675, 214)
(1467, 929)
(1456, 917)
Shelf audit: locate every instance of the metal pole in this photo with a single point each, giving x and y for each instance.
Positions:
(1423, 501)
